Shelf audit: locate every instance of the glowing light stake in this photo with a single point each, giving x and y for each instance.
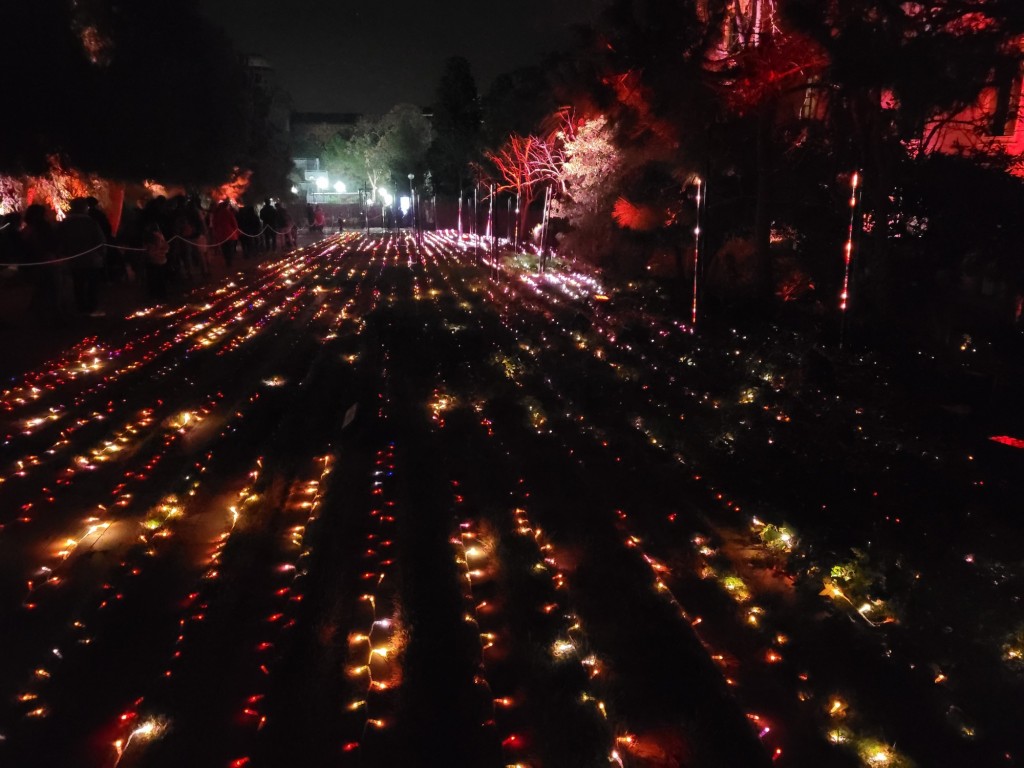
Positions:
(515, 233)
(490, 215)
(376, 652)
(544, 229)
(696, 250)
(755, 612)
(305, 496)
(151, 729)
(844, 296)
(511, 294)
(460, 215)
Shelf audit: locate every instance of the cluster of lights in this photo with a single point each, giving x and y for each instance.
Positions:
(538, 311)
(196, 603)
(155, 526)
(141, 443)
(303, 501)
(774, 539)
(475, 553)
(375, 653)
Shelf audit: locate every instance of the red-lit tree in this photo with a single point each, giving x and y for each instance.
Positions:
(929, 63)
(759, 69)
(526, 165)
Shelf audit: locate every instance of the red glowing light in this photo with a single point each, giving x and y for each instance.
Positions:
(1013, 442)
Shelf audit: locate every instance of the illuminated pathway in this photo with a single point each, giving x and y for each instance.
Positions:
(376, 504)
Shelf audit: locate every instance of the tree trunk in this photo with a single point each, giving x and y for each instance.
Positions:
(873, 269)
(763, 278)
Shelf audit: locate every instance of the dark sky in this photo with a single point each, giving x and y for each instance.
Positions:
(366, 56)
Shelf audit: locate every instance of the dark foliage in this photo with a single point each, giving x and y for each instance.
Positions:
(132, 90)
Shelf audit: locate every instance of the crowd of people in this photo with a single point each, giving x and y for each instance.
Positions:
(163, 243)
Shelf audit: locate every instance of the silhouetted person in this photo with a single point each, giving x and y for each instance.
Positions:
(155, 212)
(249, 224)
(196, 228)
(156, 261)
(179, 257)
(225, 230)
(97, 214)
(12, 248)
(285, 226)
(268, 217)
(39, 240)
(131, 233)
(81, 237)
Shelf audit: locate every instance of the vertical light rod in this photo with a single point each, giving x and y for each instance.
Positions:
(696, 252)
(844, 296)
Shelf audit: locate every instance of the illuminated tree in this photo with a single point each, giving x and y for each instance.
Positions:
(590, 182)
(379, 149)
(345, 155)
(527, 164)
(589, 172)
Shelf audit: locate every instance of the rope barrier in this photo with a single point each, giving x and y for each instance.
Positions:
(62, 259)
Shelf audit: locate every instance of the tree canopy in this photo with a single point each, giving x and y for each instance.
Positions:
(132, 90)
(456, 126)
(382, 151)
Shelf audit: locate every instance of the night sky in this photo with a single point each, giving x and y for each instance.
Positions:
(366, 57)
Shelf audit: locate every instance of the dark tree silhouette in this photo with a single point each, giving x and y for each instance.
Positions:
(456, 127)
(132, 90)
